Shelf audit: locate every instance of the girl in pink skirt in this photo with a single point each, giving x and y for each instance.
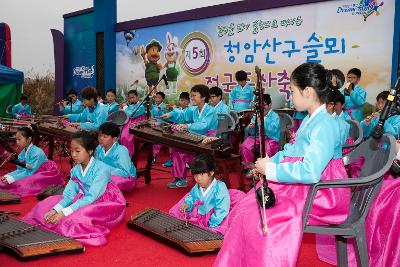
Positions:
(34, 171)
(209, 202)
(315, 155)
(91, 202)
(136, 114)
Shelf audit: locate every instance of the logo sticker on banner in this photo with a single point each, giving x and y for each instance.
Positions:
(364, 8)
(84, 72)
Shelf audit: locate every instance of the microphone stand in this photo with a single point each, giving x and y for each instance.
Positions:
(65, 150)
(147, 98)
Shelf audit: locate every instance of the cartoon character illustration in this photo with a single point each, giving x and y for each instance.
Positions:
(150, 58)
(171, 54)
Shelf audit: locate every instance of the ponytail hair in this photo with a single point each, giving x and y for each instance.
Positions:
(313, 75)
(28, 131)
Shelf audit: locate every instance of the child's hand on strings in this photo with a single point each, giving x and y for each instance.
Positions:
(181, 127)
(49, 215)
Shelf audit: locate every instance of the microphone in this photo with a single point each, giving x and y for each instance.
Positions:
(164, 77)
(385, 114)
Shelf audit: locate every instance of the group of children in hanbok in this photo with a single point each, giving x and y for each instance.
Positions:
(92, 200)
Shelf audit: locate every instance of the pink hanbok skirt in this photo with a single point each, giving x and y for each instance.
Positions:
(203, 220)
(244, 241)
(47, 174)
(89, 224)
(125, 184)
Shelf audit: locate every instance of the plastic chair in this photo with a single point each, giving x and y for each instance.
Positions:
(226, 125)
(378, 160)
(235, 116)
(355, 132)
(118, 117)
(286, 124)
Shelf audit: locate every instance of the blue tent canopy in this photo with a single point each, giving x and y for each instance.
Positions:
(8, 75)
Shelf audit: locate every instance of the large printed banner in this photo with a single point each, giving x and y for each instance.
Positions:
(80, 53)
(337, 34)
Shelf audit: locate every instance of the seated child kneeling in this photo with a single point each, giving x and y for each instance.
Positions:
(91, 202)
(208, 203)
(34, 171)
(110, 152)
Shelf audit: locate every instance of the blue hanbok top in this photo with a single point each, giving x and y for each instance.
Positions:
(76, 108)
(33, 157)
(300, 115)
(92, 183)
(177, 115)
(158, 110)
(391, 126)
(344, 116)
(200, 122)
(354, 101)
(240, 98)
(118, 158)
(221, 107)
(111, 107)
(344, 128)
(317, 142)
(271, 126)
(19, 110)
(90, 121)
(130, 109)
(216, 197)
